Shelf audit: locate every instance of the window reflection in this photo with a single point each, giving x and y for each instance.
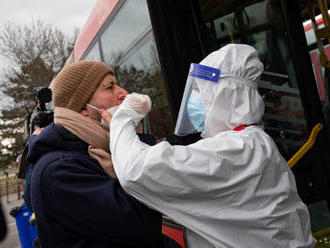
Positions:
(129, 47)
(322, 74)
(94, 53)
(132, 21)
(141, 73)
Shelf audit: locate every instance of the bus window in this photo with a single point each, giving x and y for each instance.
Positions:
(129, 24)
(94, 53)
(140, 72)
(321, 74)
(259, 23)
(144, 58)
(319, 210)
(128, 45)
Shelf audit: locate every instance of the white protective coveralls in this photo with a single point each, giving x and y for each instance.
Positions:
(230, 189)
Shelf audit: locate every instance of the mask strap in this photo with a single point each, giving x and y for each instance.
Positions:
(92, 106)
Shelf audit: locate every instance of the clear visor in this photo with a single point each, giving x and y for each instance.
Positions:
(191, 118)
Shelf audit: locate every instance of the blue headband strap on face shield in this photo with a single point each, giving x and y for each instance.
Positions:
(205, 72)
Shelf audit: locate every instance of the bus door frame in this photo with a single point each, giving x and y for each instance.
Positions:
(178, 40)
(306, 82)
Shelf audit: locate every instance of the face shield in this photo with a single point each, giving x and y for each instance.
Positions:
(191, 116)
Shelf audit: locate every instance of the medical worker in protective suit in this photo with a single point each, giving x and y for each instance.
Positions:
(230, 189)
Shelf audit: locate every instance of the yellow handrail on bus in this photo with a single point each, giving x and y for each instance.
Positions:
(322, 237)
(308, 145)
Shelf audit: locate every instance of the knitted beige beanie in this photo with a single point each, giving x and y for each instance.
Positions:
(76, 83)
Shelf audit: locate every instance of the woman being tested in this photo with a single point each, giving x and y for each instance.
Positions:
(230, 189)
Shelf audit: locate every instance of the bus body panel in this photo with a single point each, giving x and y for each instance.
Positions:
(92, 26)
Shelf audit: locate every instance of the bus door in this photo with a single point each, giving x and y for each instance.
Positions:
(321, 73)
(288, 86)
(308, 10)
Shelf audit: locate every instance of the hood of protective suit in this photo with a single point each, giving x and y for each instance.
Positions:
(234, 100)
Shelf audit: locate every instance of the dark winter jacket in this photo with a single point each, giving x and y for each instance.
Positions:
(78, 205)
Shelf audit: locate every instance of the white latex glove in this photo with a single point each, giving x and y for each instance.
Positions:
(141, 104)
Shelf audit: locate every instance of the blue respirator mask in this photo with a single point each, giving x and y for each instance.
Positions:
(191, 118)
(195, 111)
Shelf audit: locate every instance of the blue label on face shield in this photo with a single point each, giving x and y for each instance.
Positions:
(205, 72)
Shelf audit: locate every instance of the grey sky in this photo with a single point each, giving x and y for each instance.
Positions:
(67, 15)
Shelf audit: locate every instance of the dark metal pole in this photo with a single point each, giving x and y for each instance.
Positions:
(18, 188)
(7, 187)
(178, 44)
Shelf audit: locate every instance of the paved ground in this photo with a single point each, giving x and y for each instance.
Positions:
(11, 240)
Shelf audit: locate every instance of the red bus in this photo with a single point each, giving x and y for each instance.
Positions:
(151, 43)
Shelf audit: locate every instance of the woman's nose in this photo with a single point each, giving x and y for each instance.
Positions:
(122, 93)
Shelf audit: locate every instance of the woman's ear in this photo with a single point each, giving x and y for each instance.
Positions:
(84, 112)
